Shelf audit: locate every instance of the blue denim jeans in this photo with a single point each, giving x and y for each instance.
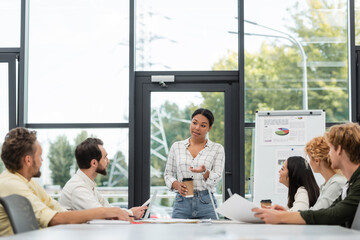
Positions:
(197, 207)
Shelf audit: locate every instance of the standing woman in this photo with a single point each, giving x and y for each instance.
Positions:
(303, 191)
(318, 151)
(200, 159)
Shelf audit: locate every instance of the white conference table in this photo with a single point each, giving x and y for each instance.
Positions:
(188, 231)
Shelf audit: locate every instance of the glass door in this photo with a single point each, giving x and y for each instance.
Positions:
(170, 122)
(163, 117)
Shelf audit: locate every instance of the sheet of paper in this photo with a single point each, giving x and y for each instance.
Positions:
(238, 208)
(283, 130)
(104, 221)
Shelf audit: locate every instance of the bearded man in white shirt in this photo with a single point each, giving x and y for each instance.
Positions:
(80, 192)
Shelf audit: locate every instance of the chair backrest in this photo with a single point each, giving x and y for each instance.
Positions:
(20, 213)
(356, 222)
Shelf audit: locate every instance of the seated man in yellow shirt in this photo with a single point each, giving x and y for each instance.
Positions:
(21, 154)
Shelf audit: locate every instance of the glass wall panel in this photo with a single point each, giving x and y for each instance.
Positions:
(249, 161)
(78, 61)
(4, 105)
(296, 58)
(10, 23)
(59, 162)
(170, 122)
(357, 22)
(186, 35)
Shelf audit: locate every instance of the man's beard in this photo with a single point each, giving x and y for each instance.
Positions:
(38, 173)
(101, 171)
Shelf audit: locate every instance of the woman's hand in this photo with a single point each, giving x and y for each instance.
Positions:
(182, 189)
(199, 169)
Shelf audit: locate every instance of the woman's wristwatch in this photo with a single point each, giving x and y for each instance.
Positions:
(204, 171)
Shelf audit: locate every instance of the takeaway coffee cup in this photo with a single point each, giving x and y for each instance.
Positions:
(266, 203)
(189, 185)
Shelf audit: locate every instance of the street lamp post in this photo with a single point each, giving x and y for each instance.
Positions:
(302, 52)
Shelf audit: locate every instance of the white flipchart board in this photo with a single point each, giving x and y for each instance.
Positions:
(278, 135)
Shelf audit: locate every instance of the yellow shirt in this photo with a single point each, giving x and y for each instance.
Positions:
(43, 205)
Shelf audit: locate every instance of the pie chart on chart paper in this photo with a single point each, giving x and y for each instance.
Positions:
(282, 131)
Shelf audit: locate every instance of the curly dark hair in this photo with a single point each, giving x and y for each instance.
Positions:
(18, 143)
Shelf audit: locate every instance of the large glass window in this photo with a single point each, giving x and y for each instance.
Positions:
(10, 23)
(185, 35)
(4, 104)
(297, 58)
(59, 162)
(4, 96)
(357, 21)
(294, 59)
(249, 161)
(78, 61)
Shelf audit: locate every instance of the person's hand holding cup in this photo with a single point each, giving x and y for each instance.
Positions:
(181, 187)
(266, 203)
(189, 186)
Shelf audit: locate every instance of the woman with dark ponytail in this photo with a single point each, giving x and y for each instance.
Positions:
(297, 175)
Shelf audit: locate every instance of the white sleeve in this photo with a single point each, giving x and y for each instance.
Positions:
(83, 198)
(170, 169)
(301, 200)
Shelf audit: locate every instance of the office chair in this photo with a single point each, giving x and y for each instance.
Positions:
(356, 222)
(20, 213)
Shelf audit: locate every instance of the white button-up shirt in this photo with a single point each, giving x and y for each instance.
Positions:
(180, 160)
(80, 193)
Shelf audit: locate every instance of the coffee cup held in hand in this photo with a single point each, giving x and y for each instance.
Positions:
(266, 203)
(189, 185)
